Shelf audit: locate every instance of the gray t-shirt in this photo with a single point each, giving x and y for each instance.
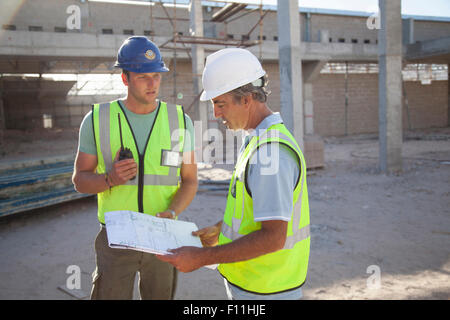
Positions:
(140, 124)
(272, 183)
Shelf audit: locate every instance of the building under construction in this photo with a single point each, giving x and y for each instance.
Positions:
(56, 60)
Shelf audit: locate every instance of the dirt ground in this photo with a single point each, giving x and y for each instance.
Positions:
(362, 222)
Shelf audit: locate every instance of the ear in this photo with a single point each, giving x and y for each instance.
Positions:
(124, 79)
(246, 100)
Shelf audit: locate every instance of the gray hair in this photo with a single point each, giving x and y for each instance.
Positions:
(258, 89)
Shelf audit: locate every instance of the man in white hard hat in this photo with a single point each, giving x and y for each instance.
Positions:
(262, 243)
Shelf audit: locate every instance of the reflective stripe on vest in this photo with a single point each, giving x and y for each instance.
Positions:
(297, 234)
(171, 179)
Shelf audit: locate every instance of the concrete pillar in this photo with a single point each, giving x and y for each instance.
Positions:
(448, 88)
(2, 120)
(290, 66)
(310, 71)
(408, 31)
(198, 63)
(309, 107)
(307, 27)
(390, 86)
(2, 112)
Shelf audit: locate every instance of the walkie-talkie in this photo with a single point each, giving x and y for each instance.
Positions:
(125, 153)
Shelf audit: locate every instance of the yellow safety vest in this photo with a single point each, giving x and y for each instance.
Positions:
(158, 177)
(284, 269)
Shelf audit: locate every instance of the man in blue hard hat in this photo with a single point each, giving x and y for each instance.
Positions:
(158, 176)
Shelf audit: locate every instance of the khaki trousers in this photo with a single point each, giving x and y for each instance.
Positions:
(116, 269)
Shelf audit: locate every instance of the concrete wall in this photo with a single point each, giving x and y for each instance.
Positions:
(95, 16)
(137, 18)
(342, 27)
(425, 30)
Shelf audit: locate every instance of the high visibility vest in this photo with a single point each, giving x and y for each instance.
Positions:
(284, 269)
(158, 177)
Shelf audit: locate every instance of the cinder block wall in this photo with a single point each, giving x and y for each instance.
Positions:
(428, 104)
(329, 101)
(183, 83)
(25, 110)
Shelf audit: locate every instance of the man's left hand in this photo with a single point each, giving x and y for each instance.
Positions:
(166, 215)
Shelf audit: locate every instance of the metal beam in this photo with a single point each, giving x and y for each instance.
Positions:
(227, 11)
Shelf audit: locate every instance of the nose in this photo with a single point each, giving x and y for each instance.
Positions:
(217, 113)
(150, 82)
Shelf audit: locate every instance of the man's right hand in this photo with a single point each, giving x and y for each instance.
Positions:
(122, 170)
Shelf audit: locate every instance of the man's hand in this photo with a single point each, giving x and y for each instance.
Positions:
(185, 259)
(209, 236)
(122, 170)
(166, 214)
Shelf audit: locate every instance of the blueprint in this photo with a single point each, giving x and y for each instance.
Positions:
(143, 232)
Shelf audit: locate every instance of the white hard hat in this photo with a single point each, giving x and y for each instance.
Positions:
(229, 69)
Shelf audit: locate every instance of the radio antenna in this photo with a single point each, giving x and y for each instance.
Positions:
(120, 131)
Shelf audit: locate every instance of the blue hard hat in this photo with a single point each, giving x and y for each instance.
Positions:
(140, 55)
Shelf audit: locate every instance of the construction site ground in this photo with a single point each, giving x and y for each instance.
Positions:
(362, 222)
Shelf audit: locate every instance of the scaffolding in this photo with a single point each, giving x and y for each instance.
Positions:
(231, 11)
(224, 15)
